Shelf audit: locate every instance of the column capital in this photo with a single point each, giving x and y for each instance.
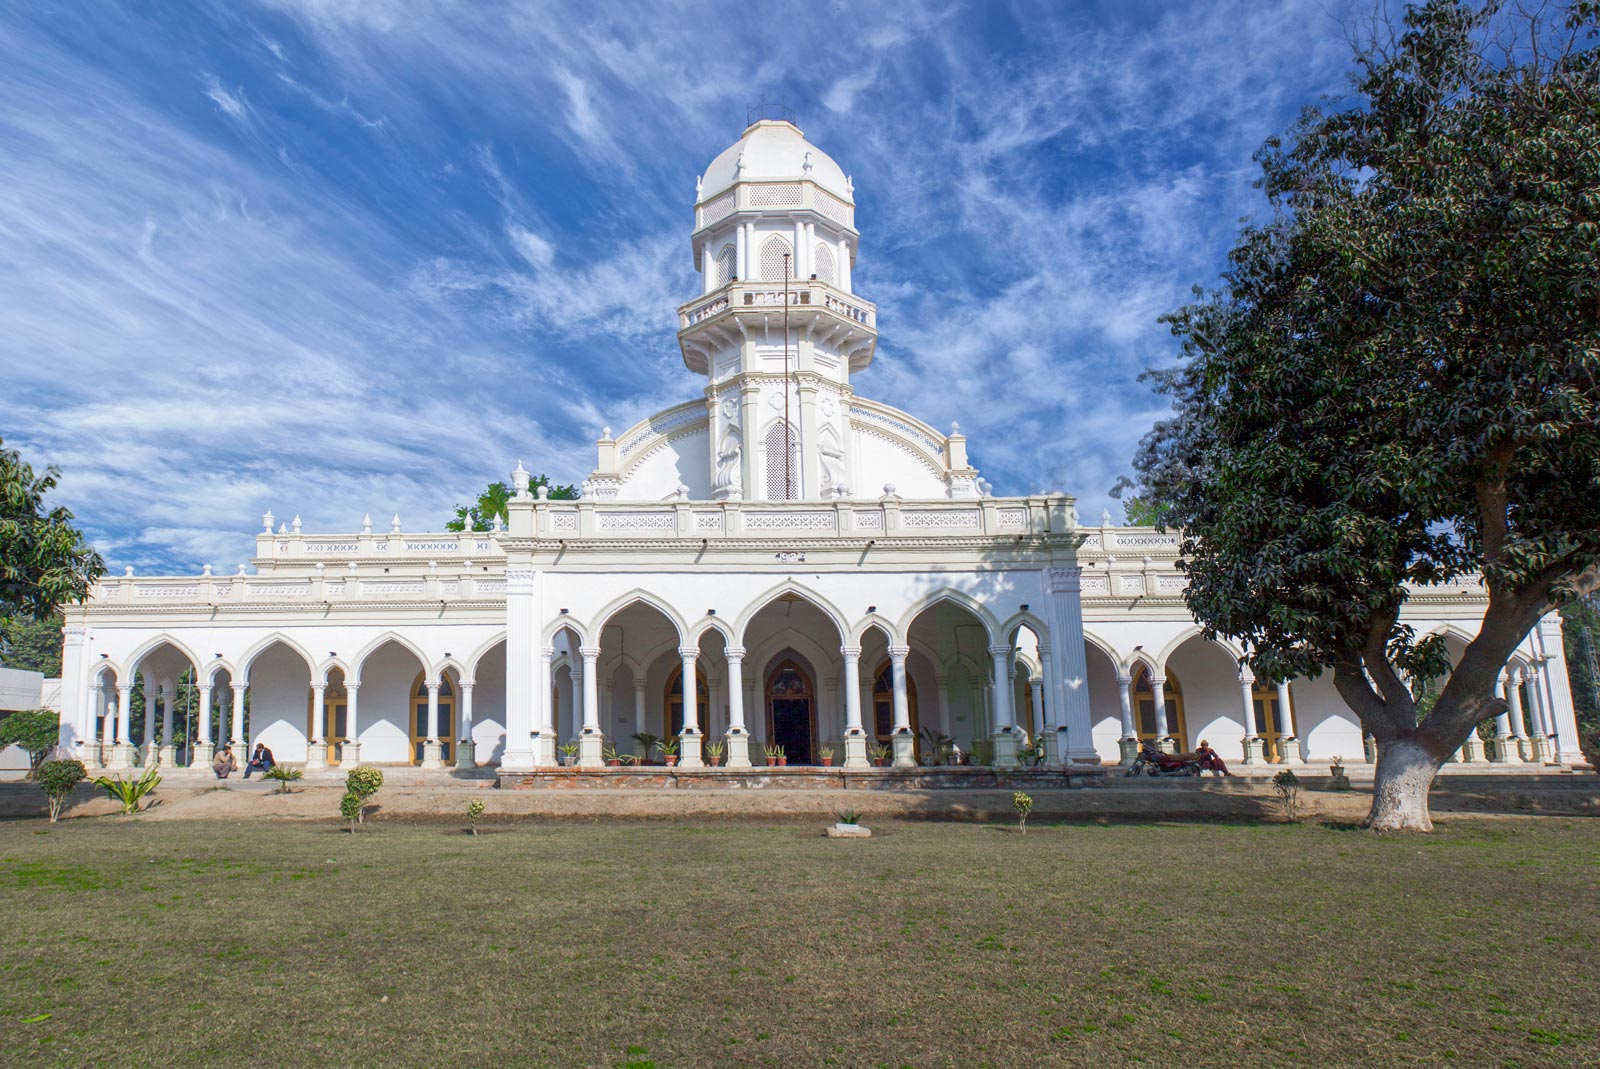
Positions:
(589, 653)
(898, 653)
(468, 684)
(1123, 679)
(735, 653)
(851, 653)
(319, 686)
(1064, 580)
(1245, 675)
(353, 685)
(1158, 681)
(639, 686)
(548, 653)
(1044, 650)
(1000, 649)
(689, 653)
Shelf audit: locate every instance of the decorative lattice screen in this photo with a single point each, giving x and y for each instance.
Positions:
(772, 254)
(777, 490)
(824, 263)
(725, 260)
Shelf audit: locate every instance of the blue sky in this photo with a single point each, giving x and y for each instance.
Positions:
(337, 257)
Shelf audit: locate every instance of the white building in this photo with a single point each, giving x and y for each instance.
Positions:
(775, 562)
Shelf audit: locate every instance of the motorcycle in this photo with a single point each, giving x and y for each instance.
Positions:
(1152, 762)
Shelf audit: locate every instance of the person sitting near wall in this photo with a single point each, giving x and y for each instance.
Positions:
(261, 759)
(1210, 760)
(225, 763)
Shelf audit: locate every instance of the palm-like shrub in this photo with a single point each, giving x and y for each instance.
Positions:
(283, 775)
(129, 792)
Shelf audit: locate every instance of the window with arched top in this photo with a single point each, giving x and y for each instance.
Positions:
(772, 263)
(783, 462)
(823, 263)
(725, 265)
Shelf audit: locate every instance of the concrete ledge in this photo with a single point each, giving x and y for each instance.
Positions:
(790, 779)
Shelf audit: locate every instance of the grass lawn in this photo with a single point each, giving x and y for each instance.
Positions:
(134, 942)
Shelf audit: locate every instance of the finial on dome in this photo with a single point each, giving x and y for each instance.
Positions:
(519, 480)
(605, 433)
(394, 524)
(699, 185)
(295, 524)
(366, 524)
(266, 521)
(850, 185)
(955, 427)
(739, 166)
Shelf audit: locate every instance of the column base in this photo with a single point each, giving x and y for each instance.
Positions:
(466, 754)
(1127, 751)
(167, 756)
(515, 760)
(203, 752)
(855, 752)
(591, 750)
(148, 755)
(905, 749)
(1167, 744)
(1255, 750)
(317, 755)
(544, 750)
(1052, 748)
(1289, 751)
(1005, 749)
(738, 749)
(1545, 750)
(349, 753)
(121, 757)
(1472, 750)
(1528, 750)
(689, 750)
(1504, 752)
(432, 754)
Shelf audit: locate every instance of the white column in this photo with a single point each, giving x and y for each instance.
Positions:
(1071, 672)
(944, 705)
(317, 745)
(1537, 722)
(638, 710)
(168, 748)
(149, 718)
(124, 720)
(527, 695)
(708, 268)
(432, 752)
(903, 742)
(1004, 736)
(350, 751)
(689, 742)
(855, 738)
(741, 258)
(842, 271)
(1252, 744)
(1502, 723)
(466, 711)
(203, 713)
(1513, 693)
(236, 736)
(738, 741)
(543, 752)
(1125, 704)
(798, 261)
(466, 746)
(1288, 741)
(591, 688)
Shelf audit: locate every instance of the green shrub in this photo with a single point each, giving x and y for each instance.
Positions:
(1287, 784)
(475, 810)
(283, 775)
(363, 781)
(35, 730)
(1022, 802)
(350, 809)
(130, 791)
(58, 778)
(849, 816)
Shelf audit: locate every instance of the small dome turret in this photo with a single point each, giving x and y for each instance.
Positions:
(774, 150)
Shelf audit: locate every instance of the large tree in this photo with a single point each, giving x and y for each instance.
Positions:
(491, 504)
(1399, 382)
(44, 561)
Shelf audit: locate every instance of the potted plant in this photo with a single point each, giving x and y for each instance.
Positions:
(714, 752)
(647, 745)
(775, 755)
(879, 752)
(826, 753)
(612, 758)
(569, 753)
(669, 751)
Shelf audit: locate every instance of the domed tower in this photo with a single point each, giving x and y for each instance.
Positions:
(777, 330)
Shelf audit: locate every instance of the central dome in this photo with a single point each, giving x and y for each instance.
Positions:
(774, 150)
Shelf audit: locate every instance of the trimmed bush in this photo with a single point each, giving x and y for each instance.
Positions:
(35, 730)
(350, 809)
(363, 781)
(57, 779)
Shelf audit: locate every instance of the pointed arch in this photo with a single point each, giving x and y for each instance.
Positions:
(215, 667)
(892, 635)
(1024, 618)
(773, 250)
(725, 264)
(1145, 658)
(789, 586)
(822, 258)
(1096, 642)
(777, 456)
(564, 623)
(264, 644)
(711, 623)
(639, 596)
(483, 651)
(991, 626)
(328, 665)
(360, 659)
(149, 646)
(1184, 636)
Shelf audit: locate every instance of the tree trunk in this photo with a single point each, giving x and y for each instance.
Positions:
(1406, 769)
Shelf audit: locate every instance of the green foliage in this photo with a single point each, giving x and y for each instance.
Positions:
(1581, 631)
(480, 516)
(647, 742)
(57, 779)
(1287, 784)
(129, 792)
(773, 752)
(849, 816)
(32, 645)
(363, 781)
(1142, 511)
(668, 747)
(1399, 383)
(880, 751)
(1022, 802)
(350, 808)
(475, 811)
(44, 561)
(283, 775)
(35, 730)
(716, 749)
(569, 750)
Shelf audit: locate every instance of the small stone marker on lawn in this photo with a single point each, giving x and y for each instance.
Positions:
(849, 831)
